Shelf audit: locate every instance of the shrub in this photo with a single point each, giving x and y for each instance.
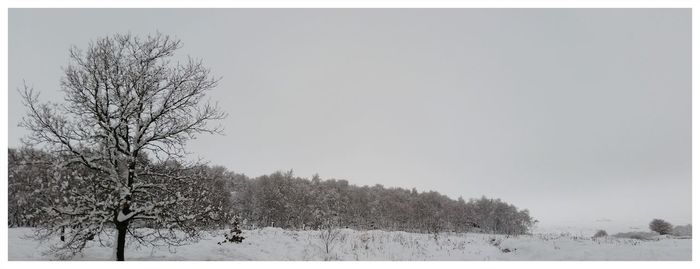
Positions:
(235, 234)
(637, 235)
(600, 233)
(660, 226)
(686, 230)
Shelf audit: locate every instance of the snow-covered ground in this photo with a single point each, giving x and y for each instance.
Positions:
(279, 244)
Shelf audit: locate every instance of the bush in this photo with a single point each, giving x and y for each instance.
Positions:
(638, 235)
(686, 230)
(660, 226)
(600, 233)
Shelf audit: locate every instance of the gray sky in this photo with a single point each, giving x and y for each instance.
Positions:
(577, 115)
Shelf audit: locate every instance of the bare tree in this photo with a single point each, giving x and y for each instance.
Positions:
(125, 98)
(330, 233)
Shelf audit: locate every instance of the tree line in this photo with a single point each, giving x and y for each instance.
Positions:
(280, 199)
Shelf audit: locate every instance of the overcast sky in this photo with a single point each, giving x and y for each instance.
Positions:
(577, 115)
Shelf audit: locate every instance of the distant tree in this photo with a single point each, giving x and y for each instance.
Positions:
(600, 233)
(124, 98)
(496, 216)
(660, 226)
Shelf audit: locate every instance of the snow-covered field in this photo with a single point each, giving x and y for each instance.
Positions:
(279, 244)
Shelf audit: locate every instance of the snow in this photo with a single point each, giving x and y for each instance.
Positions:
(278, 244)
(121, 217)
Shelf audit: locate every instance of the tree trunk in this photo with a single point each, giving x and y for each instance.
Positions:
(121, 239)
(122, 226)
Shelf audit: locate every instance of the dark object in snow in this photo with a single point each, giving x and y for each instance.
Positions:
(234, 235)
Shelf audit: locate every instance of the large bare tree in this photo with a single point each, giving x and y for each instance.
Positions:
(127, 99)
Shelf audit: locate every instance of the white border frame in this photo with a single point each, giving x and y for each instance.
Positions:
(328, 4)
